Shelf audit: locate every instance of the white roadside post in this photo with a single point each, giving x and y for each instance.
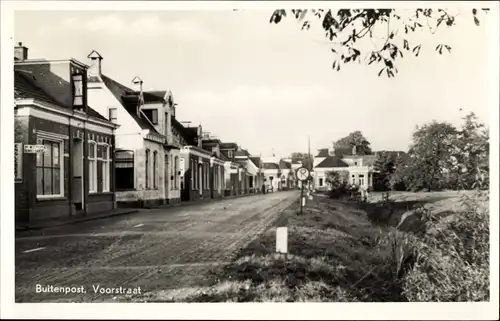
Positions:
(282, 240)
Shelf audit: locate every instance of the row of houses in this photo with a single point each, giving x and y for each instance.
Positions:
(86, 143)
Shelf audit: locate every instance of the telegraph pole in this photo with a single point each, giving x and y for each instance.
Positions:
(309, 160)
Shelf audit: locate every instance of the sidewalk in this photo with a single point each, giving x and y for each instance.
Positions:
(42, 224)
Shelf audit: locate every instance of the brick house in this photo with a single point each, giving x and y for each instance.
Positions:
(147, 156)
(202, 169)
(73, 174)
(251, 172)
(233, 171)
(217, 174)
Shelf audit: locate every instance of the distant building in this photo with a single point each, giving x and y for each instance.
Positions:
(358, 166)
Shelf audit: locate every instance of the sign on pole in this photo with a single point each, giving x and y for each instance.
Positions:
(18, 162)
(33, 149)
(302, 175)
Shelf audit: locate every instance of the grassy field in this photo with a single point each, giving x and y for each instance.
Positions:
(337, 253)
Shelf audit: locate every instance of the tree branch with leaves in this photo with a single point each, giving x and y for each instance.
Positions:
(346, 29)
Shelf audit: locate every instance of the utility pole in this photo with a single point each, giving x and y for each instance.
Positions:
(309, 160)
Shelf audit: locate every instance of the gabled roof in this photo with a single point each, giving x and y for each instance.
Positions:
(187, 132)
(270, 166)
(322, 152)
(285, 165)
(25, 87)
(342, 151)
(153, 96)
(229, 146)
(332, 161)
(242, 152)
(129, 100)
(256, 161)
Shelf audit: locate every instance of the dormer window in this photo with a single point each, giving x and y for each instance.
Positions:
(230, 154)
(77, 90)
(152, 115)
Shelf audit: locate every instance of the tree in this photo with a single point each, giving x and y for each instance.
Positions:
(430, 157)
(337, 178)
(357, 139)
(471, 156)
(348, 30)
(306, 159)
(385, 165)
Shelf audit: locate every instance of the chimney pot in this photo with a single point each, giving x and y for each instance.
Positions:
(20, 52)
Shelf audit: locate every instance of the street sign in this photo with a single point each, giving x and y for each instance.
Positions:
(33, 149)
(182, 167)
(302, 174)
(18, 162)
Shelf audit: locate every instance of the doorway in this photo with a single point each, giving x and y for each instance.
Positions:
(77, 189)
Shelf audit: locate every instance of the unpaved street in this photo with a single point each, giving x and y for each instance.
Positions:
(159, 249)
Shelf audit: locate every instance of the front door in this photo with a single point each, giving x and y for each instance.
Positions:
(77, 189)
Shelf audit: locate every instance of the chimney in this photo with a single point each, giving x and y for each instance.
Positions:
(137, 86)
(20, 52)
(95, 64)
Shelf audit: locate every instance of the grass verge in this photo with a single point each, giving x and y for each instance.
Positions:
(338, 255)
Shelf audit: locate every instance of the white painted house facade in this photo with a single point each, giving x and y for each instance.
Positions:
(146, 160)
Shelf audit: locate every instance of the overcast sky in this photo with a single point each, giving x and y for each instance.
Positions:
(267, 86)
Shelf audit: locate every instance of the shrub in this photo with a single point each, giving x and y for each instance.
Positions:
(453, 262)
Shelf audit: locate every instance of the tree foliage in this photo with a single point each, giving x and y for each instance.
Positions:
(442, 156)
(429, 156)
(385, 166)
(306, 159)
(347, 29)
(357, 139)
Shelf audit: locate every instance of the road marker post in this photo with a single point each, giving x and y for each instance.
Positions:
(282, 240)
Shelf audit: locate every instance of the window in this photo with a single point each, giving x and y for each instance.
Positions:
(124, 170)
(155, 162)
(92, 167)
(355, 163)
(361, 180)
(113, 115)
(49, 171)
(105, 159)
(152, 115)
(230, 154)
(77, 90)
(353, 179)
(321, 182)
(147, 169)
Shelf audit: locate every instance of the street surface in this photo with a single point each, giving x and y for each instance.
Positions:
(153, 250)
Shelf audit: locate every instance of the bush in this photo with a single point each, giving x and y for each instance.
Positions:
(453, 260)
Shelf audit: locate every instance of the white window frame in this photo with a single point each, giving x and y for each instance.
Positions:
(109, 114)
(60, 140)
(106, 169)
(92, 161)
